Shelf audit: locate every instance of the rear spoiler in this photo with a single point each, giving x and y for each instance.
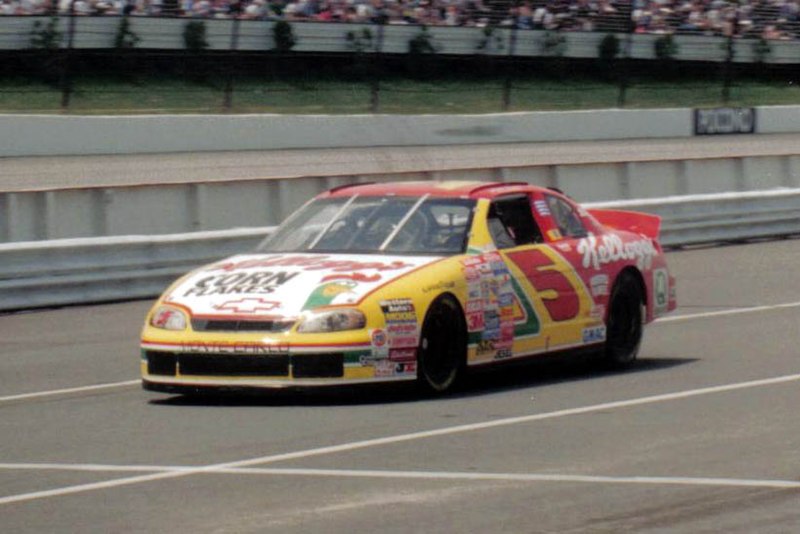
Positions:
(631, 221)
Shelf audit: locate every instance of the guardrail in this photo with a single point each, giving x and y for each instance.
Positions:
(79, 271)
(720, 217)
(102, 269)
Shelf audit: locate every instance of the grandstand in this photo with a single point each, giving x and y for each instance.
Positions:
(767, 19)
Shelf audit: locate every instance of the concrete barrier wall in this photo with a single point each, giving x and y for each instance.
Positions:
(190, 207)
(37, 135)
(34, 135)
(778, 119)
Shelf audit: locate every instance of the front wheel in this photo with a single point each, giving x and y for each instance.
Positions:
(443, 346)
(625, 321)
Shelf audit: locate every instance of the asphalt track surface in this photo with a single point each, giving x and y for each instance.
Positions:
(74, 172)
(701, 435)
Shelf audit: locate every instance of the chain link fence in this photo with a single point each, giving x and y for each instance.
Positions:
(503, 56)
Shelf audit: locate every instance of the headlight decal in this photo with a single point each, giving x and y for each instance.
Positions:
(169, 318)
(336, 320)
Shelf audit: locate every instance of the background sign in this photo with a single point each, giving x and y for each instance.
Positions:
(719, 121)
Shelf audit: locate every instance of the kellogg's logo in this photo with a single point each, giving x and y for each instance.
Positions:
(311, 263)
(611, 248)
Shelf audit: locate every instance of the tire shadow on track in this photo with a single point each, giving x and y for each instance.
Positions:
(509, 377)
(554, 370)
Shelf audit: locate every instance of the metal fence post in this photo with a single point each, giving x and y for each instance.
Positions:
(624, 79)
(512, 46)
(727, 68)
(236, 9)
(375, 82)
(66, 81)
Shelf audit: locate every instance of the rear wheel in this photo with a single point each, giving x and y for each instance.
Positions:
(625, 321)
(442, 347)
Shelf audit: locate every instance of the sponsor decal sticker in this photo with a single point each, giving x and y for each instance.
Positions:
(311, 263)
(503, 354)
(401, 323)
(474, 306)
(594, 335)
(298, 282)
(383, 368)
(326, 293)
(471, 274)
(492, 334)
(356, 277)
(599, 285)
(405, 368)
(440, 286)
(661, 290)
(611, 249)
(485, 346)
(475, 321)
(379, 338)
(403, 355)
(259, 282)
(248, 305)
(541, 208)
(241, 347)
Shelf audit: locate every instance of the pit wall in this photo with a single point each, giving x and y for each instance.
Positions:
(138, 209)
(38, 135)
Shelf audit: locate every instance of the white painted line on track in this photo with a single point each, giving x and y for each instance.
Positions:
(80, 389)
(427, 475)
(521, 477)
(389, 440)
(101, 468)
(733, 311)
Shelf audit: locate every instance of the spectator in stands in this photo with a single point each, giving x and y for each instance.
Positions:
(768, 19)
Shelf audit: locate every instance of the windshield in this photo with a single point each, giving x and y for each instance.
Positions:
(403, 225)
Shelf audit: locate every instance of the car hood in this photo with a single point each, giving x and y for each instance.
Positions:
(285, 285)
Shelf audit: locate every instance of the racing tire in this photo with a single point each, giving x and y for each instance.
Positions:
(442, 350)
(625, 323)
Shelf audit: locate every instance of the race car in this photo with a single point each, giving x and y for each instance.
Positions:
(411, 281)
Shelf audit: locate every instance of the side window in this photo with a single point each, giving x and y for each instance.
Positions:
(511, 222)
(568, 222)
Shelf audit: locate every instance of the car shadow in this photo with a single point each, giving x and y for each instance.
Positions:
(509, 377)
(556, 370)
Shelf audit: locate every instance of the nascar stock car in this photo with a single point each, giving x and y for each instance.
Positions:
(411, 281)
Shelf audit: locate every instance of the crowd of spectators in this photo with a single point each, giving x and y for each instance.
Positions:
(770, 19)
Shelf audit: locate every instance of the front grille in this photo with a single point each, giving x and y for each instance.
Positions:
(272, 365)
(213, 325)
(231, 365)
(318, 365)
(161, 363)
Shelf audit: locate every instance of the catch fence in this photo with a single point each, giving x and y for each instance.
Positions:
(510, 61)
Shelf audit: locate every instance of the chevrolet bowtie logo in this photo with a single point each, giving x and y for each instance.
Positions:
(248, 305)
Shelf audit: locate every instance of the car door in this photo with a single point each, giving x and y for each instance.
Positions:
(565, 226)
(552, 306)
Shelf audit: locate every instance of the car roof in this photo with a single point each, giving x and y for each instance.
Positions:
(458, 189)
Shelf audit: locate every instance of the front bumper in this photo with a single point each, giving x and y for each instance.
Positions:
(171, 370)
